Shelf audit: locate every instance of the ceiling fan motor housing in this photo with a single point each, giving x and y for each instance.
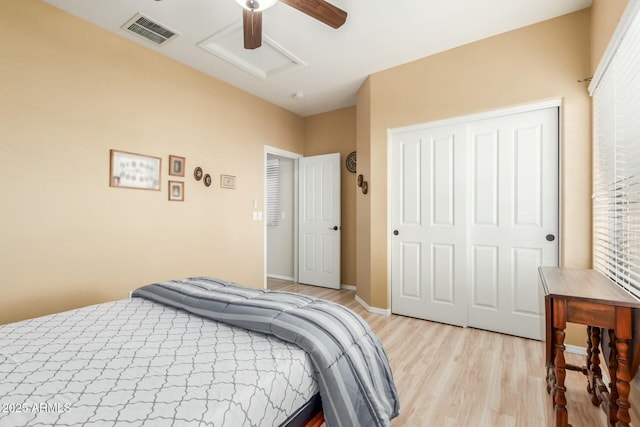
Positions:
(253, 4)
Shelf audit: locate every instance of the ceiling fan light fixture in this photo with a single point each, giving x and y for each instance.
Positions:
(256, 5)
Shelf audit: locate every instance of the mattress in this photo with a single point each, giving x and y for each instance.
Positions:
(138, 362)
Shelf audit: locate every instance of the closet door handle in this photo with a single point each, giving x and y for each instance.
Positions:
(396, 232)
(550, 237)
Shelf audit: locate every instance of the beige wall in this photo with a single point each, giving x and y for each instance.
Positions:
(605, 15)
(69, 92)
(535, 63)
(335, 132)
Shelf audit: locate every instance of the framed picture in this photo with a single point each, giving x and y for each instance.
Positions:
(227, 181)
(176, 191)
(207, 180)
(131, 170)
(176, 165)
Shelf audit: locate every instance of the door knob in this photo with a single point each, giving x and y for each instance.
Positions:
(550, 237)
(335, 228)
(396, 232)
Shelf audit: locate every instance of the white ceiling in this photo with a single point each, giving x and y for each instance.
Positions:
(378, 34)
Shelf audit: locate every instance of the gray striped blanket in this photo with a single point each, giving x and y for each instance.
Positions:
(352, 368)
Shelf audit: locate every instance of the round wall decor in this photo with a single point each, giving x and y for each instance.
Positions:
(350, 163)
(197, 173)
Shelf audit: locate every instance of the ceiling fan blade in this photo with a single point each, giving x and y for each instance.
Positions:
(252, 24)
(320, 10)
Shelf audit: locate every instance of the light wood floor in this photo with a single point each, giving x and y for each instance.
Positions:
(458, 377)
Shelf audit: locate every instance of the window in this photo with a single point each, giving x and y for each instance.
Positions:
(273, 192)
(616, 154)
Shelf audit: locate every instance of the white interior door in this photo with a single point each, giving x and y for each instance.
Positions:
(428, 211)
(319, 220)
(514, 218)
(473, 205)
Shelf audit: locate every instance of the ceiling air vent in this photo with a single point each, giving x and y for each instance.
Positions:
(147, 28)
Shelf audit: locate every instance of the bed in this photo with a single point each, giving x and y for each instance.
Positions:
(197, 351)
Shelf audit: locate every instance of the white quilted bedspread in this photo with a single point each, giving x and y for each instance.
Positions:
(136, 362)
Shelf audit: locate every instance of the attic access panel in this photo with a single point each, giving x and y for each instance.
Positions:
(271, 59)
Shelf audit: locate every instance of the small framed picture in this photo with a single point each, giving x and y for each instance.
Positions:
(207, 180)
(227, 181)
(176, 165)
(176, 191)
(197, 173)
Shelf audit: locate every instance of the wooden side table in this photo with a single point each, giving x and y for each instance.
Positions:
(589, 298)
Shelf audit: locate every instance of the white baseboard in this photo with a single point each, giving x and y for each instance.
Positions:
(277, 276)
(374, 310)
(348, 287)
(581, 351)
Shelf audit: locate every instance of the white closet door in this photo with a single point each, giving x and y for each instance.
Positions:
(514, 219)
(473, 205)
(428, 210)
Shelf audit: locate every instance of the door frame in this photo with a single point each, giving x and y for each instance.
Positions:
(523, 108)
(289, 155)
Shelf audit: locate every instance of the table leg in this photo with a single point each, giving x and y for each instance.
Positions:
(590, 389)
(559, 399)
(613, 389)
(595, 363)
(548, 328)
(623, 377)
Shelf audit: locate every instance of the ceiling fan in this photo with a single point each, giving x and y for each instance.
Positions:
(252, 16)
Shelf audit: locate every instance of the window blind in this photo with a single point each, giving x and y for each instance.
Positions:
(616, 154)
(273, 191)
